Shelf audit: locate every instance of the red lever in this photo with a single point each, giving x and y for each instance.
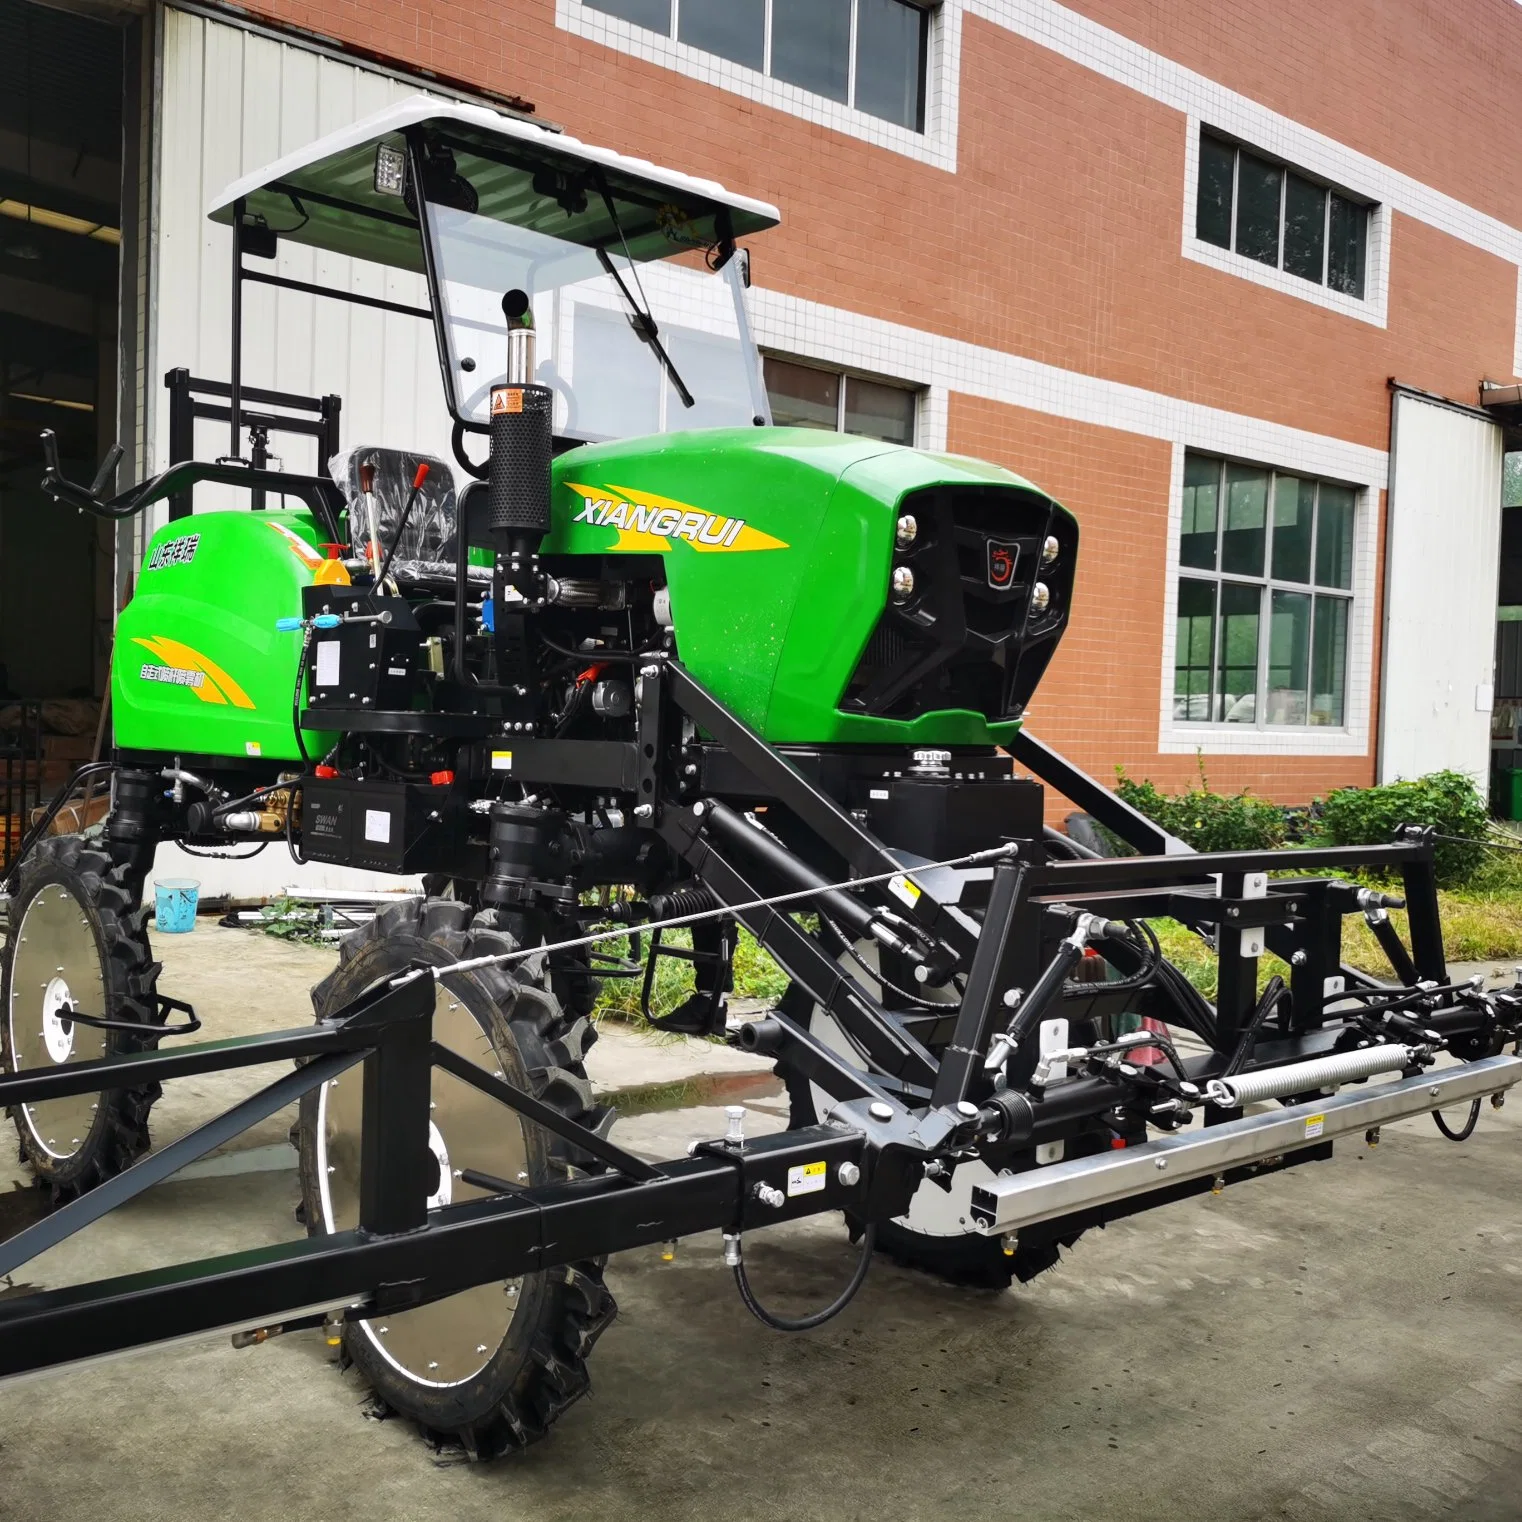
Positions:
(420, 477)
(325, 772)
(335, 551)
(441, 779)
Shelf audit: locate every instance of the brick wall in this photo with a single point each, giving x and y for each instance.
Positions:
(1059, 238)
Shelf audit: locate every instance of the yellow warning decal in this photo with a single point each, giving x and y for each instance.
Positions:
(182, 666)
(650, 522)
(1314, 1126)
(806, 1178)
(902, 888)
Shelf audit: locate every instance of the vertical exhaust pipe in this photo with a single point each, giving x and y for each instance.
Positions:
(518, 469)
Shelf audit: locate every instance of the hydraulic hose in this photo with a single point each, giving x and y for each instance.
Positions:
(1465, 1131)
(301, 671)
(817, 1318)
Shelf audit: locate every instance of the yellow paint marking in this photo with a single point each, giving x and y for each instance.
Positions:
(218, 687)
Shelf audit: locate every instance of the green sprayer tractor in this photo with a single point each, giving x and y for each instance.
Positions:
(636, 661)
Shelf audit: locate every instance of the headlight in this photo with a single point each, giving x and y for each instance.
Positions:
(906, 532)
(903, 583)
(1050, 549)
(1041, 597)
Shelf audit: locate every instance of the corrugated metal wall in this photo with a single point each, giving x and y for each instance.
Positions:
(1441, 566)
(231, 101)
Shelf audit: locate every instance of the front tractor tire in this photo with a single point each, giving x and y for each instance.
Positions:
(77, 939)
(490, 1368)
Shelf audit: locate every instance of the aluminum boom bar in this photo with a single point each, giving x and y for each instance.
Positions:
(1043, 1194)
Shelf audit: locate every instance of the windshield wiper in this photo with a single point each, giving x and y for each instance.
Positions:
(644, 324)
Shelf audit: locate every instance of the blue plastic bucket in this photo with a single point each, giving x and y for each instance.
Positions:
(174, 904)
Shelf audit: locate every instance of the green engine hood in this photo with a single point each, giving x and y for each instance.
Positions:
(778, 545)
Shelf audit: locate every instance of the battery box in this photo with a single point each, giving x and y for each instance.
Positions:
(383, 826)
(372, 660)
(939, 818)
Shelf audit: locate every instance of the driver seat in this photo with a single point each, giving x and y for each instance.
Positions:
(427, 546)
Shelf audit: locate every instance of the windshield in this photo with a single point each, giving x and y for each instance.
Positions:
(608, 381)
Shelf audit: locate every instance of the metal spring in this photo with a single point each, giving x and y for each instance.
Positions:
(680, 901)
(1303, 1077)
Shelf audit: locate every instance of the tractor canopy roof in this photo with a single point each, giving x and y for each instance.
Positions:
(350, 192)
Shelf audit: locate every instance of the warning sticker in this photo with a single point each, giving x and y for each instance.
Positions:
(327, 663)
(1314, 1126)
(806, 1178)
(900, 887)
(506, 399)
(501, 760)
(378, 826)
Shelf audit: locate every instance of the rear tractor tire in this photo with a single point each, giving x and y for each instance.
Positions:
(77, 939)
(935, 1235)
(490, 1368)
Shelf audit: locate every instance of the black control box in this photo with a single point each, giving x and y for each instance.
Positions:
(942, 817)
(371, 660)
(383, 826)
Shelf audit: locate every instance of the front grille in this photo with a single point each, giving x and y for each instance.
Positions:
(969, 638)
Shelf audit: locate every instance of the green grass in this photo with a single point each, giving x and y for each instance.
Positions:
(757, 976)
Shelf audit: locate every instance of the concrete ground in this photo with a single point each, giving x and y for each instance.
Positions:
(1342, 1341)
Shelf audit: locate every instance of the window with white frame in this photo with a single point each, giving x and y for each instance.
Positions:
(868, 54)
(1278, 216)
(808, 396)
(1264, 596)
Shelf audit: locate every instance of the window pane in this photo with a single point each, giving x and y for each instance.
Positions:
(1289, 643)
(1202, 491)
(1238, 682)
(710, 364)
(731, 28)
(1329, 661)
(1258, 208)
(801, 396)
(656, 14)
(1246, 516)
(890, 61)
(616, 384)
(1345, 247)
(811, 45)
(1212, 206)
(1294, 513)
(1193, 650)
(879, 412)
(1334, 537)
(1304, 228)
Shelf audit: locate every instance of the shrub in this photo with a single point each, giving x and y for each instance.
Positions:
(1448, 801)
(1205, 820)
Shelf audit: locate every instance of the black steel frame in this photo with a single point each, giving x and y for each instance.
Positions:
(886, 1124)
(998, 933)
(186, 408)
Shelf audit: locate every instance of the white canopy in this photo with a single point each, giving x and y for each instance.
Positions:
(325, 194)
